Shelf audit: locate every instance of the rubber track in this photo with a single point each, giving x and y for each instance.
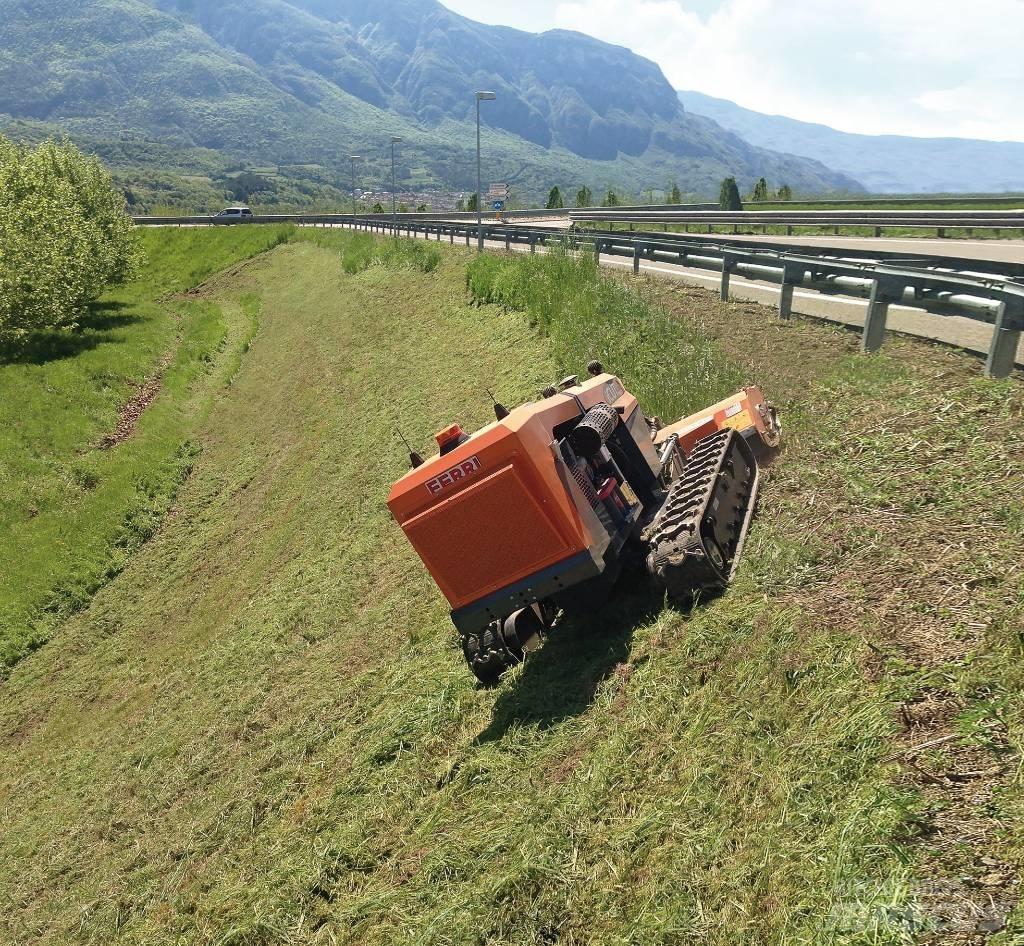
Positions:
(695, 537)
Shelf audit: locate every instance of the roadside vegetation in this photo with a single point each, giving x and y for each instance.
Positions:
(589, 316)
(262, 731)
(96, 427)
(64, 237)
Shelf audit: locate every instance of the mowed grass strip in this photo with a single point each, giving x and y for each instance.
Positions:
(71, 513)
(263, 731)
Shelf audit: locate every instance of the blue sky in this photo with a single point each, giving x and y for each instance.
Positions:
(909, 67)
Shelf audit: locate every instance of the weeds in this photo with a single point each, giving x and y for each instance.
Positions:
(360, 251)
(672, 367)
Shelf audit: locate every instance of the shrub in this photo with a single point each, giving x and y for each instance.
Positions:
(64, 236)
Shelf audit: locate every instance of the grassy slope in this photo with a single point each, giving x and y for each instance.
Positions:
(74, 512)
(262, 731)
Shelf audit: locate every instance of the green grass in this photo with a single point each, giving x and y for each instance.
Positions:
(75, 513)
(263, 732)
(672, 370)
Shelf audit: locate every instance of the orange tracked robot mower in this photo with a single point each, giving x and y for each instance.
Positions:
(537, 511)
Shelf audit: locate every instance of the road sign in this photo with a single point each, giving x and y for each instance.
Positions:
(498, 191)
(498, 205)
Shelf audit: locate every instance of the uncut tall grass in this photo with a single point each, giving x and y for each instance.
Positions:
(673, 368)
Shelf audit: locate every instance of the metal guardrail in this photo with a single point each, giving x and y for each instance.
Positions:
(864, 254)
(939, 220)
(994, 298)
(864, 202)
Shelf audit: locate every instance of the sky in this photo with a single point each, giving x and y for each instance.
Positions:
(930, 68)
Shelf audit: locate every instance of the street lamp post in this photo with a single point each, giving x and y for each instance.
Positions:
(394, 212)
(480, 97)
(353, 158)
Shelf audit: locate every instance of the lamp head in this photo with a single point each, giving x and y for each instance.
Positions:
(485, 96)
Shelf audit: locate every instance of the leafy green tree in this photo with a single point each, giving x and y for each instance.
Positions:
(460, 204)
(378, 208)
(785, 192)
(471, 203)
(64, 236)
(611, 199)
(422, 209)
(555, 201)
(760, 193)
(403, 209)
(674, 196)
(246, 184)
(729, 195)
(584, 197)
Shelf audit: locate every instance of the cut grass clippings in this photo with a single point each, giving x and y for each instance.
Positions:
(263, 730)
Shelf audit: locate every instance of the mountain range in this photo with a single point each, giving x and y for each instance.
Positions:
(885, 164)
(172, 91)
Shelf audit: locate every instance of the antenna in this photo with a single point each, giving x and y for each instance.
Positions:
(500, 411)
(415, 459)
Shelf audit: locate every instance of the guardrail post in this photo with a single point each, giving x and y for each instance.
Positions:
(791, 275)
(597, 252)
(878, 231)
(508, 241)
(637, 250)
(451, 236)
(728, 263)
(789, 230)
(467, 236)
(884, 292)
(533, 244)
(1005, 340)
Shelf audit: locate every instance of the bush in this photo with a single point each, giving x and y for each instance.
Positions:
(672, 367)
(64, 236)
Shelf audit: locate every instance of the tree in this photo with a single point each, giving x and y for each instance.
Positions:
(729, 195)
(471, 203)
(584, 197)
(611, 199)
(760, 194)
(555, 199)
(460, 204)
(378, 208)
(246, 184)
(422, 209)
(785, 192)
(674, 197)
(403, 209)
(64, 237)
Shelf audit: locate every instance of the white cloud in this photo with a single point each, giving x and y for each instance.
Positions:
(917, 67)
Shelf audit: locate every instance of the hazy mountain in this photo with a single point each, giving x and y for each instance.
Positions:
(893, 164)
(306, 82)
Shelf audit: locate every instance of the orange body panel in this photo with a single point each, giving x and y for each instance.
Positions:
(495, 510)
(747, 410)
